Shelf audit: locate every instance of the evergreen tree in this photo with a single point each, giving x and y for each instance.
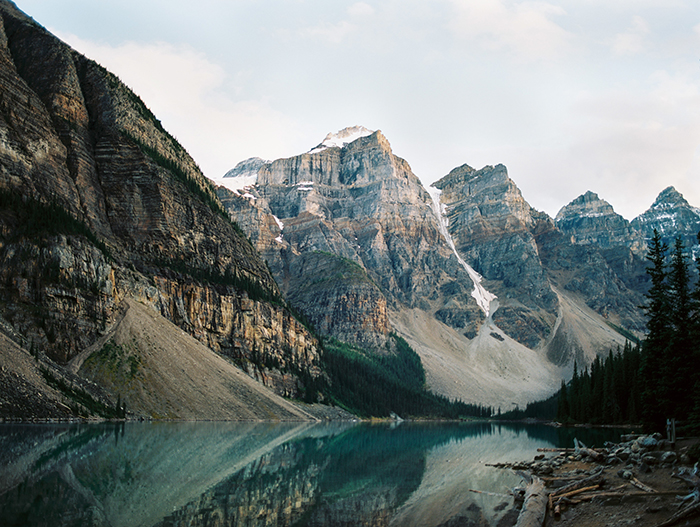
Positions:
(678, 373)
(654, 397)
(694, 418)
(563, 404)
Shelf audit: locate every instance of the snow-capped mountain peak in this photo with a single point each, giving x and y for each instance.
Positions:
(244, 174)
(342, 138)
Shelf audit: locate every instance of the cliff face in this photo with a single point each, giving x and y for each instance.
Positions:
(529, 261)
(590, 220)
(671, 215)
(100, 204)
(494, 230)
(350, 235)
(485, 288)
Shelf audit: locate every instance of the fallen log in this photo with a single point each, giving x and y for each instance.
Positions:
(594, 479)
(642, 486)
(535, 506)
(580, 448)
(681, 515)
(692, 479)
(577, 491)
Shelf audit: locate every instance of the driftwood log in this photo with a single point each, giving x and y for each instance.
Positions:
(691, 501)
(594, 479)
(535, 505)
(580, 448)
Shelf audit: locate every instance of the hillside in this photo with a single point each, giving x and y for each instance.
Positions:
(100, 206)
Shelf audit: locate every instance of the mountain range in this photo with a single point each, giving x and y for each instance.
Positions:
(498, 298)
(129, 280)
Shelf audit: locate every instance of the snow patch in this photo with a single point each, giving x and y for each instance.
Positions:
(342, 138)
(483, 297)
(278, 222)
(237, 183)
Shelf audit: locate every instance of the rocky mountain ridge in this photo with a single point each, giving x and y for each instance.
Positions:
(505, 298)
(100, 205)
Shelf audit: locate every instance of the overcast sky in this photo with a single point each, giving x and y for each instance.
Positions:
(571, 95)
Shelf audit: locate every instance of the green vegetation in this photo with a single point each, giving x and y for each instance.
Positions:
(80, 397)
(254, 289)
(373, 385)
(546, 409)
(609, 394)
(35, 218)
(654, 381)
(115, 362)
(670, 363)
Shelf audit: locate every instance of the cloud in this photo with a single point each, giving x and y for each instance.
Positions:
(525, 29)
(193, 99)
(625, 145)
(633, 40)
(360, 9)
(333, 33)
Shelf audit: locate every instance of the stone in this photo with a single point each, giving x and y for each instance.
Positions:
(669, 457)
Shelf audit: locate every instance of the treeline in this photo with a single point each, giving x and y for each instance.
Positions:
(610, 393)
(545, 409)
(660, 379)
(370, 384)
(33, 218)
(670, 364)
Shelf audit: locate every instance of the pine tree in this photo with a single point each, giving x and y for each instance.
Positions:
(654, 397)
(694, 418)
(678, 373)
(563, 405)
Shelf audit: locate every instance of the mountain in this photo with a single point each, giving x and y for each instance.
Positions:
(102, 210)
(349, 233)
(590, 220)
(671, 215)
(363, 249)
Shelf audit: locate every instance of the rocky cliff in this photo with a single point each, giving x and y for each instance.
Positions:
(671, 215)
(357, 244)
(494, 230)
(349, 233)
(100, 204)
(590, 220)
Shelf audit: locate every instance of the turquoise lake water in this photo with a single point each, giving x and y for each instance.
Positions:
(267, 474)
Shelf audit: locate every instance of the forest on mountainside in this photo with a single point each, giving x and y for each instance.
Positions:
(649, 382)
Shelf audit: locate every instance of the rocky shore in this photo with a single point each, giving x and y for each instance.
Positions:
(643, 481)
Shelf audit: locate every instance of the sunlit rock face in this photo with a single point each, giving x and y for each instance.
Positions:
(590, 220)
(349, 233)
(72, 135)
(495, 231)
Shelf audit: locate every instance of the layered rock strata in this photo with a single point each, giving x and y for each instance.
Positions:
(348, 232)
(133, 217)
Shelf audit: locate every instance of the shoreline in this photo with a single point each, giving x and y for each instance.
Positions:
(634, 482)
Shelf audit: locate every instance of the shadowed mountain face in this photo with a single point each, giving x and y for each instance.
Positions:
(98, 203)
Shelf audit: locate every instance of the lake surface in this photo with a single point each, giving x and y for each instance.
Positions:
(266, 474)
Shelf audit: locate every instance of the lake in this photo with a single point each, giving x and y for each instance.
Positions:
(266, 474)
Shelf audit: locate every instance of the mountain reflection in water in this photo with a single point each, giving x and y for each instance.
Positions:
(212, 474)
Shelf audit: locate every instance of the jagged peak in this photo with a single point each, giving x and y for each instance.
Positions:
(587, 205)
(669, 197)
(342, 138)
(244, 174)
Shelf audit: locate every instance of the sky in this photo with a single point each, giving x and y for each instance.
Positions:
(570, 95)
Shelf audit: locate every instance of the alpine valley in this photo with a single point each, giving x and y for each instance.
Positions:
(131, 284)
